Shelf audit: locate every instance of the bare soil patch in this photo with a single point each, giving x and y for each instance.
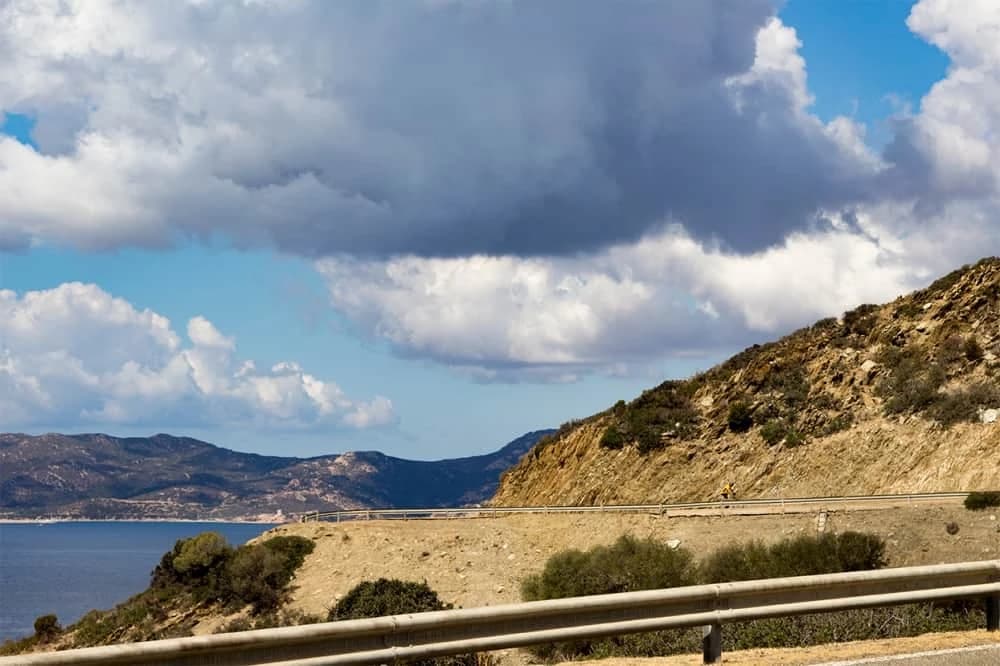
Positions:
(481, 561)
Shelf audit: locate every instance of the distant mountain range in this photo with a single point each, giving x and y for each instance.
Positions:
(103, 477)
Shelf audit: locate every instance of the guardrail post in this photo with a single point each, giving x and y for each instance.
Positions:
(993, 613)
(711, 643)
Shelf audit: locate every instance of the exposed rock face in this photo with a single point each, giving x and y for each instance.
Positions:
(99, 476)
(891, 398)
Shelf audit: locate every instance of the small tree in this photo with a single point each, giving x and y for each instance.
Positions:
(740, 417)
(47, 627)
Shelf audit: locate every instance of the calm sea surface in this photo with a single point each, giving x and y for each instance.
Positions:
(71, 568)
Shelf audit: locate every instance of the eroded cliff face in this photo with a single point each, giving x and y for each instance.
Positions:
(892, 398)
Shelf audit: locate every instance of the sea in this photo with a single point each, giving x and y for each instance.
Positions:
(69, 568)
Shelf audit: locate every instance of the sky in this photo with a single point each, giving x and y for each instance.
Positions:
(427, 227)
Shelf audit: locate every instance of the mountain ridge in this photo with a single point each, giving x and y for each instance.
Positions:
(99, 476)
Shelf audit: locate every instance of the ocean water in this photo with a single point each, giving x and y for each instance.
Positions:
(71, 568)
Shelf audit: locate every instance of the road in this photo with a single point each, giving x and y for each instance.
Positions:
(980, 655)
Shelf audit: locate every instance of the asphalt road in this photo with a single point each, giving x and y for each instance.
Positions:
(981, 655)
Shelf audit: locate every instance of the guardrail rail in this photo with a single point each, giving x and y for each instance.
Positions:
(677, 508)
(441, 633)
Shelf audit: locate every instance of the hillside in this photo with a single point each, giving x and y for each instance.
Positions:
(99, 476)
(893, 398)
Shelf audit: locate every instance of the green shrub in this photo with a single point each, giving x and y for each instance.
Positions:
(628, 565)
(386, 597)
(648, 439)
(799, 556)
(292, 550)
(778, 431)
(47, 627)
(913, 382)
(632, 564)
(612, 438)
(837, 424)
(258, 574)
(200, 554)
(255, 575)
(977, 501)
(740, 417)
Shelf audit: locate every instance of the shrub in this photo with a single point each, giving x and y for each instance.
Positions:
(292, 550)
(386, 597)
(254, 575)
(47, 627)
(612, 438)
(800, 556)
(258, 574)
(628, 565)
(951, 528)
(837, 424)
(200, 555)
(973, 352)
(631, 564)
(648, 439)
(777, 431)
(912, 384)
(977, 501)
(740, 417)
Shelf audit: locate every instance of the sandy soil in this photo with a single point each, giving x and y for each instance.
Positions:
(481, 561)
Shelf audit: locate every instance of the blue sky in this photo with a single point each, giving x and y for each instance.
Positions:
(478, 307)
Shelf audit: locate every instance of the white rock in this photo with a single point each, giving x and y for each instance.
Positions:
(674, 544)
(989, 415)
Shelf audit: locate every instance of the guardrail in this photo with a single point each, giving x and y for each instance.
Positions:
(725, 506)
(441, 633)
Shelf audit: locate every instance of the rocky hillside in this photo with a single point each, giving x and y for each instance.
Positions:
(99, 476)
(892, 398)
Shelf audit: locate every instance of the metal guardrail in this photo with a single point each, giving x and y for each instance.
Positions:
(728, 506)
(442, 633)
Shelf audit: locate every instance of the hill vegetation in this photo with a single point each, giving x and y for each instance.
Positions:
(911, 385)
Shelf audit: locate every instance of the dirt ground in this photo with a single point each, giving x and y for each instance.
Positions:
(481, 561)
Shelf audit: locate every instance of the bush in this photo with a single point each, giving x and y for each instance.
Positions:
(628, 565)
(254, 575)
(258, 574)
(951, 528)
(740, 417)
(631, 564)
(777, 431)
(973, 352)
(800, 556)
(612, 438)
(386, 597)
(977, 501)
(47, 627)
(912, 384)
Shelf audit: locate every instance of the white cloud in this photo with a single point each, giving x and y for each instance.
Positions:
(666, 295)
(76, 355)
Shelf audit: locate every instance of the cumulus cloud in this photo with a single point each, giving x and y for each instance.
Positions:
(76, 355)
(667, 295)
(379, 128)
